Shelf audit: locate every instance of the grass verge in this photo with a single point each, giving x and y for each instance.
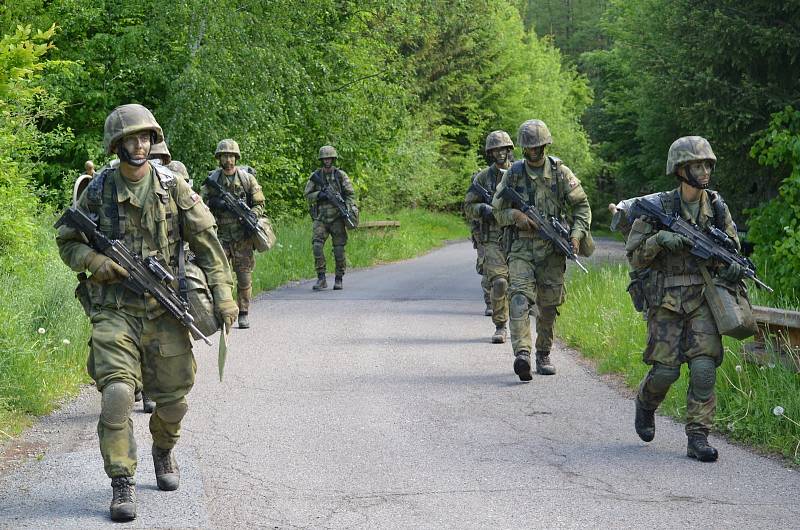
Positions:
(598, 318)
(43, 339)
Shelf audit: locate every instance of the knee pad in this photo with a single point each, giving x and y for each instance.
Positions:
(317, 246)
(338, 252)
(172, 412)
(662, 376)
(499, 287)
(116, 404)
(703, 375)
(547, 314)
(518, 306)
(244, 280)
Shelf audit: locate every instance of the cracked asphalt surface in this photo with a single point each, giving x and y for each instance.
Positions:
(385, 406)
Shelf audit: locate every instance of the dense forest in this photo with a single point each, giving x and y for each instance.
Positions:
(407, 91)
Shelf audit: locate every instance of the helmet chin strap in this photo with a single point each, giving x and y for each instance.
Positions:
(125, 156)
(692, 181)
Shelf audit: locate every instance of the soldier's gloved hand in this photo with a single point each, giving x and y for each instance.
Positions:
(576, 245)
(487, 212)
(732, 273)
(671, 241)
(522, 221)
(322, 195)
(216, 203)
(227, 311)
(104, 270)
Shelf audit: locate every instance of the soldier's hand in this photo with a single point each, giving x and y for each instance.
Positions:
(671, 241)
(732, 273)
(487, 212)
(322, 195)
(575, 245)
(522, 221)
(104, 270)
(227, 311)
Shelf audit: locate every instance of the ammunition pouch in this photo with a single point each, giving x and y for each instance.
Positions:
(201, 301)
(636, 289)
(88, 293)
(652, 287)
(729, 305)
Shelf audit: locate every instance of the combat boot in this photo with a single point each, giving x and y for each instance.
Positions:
(337, 283)
(123, 500)
(698, 448)
(322, 283)
(500, 333)
(244, 322)
(543, 366)
(522, 366)
(137, 396)
(168, 477)
(148, 405)
(488, 311)
(645, 422)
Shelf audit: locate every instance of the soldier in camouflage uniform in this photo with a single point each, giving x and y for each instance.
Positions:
(160, 153)
(495, 267)
(536, 269)
(680, 326)
(238, 244)
(134, 340)
(327, 218)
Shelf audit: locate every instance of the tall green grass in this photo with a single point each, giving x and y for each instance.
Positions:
(43, 339)
(598, 318)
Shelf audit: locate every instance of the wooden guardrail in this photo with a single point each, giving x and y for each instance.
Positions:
(379, 224)
(777, 338)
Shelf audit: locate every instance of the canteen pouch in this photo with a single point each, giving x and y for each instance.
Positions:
(201, 301)
(264, 239)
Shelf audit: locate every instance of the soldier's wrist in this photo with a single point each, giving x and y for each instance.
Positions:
(222, 292)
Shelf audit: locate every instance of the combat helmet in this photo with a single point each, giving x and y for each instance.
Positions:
(327, 151)
(688, 149)
(533, 133)
(498, 139)
(228, 146)
(129, 119)
(178, 167)
(161, 152)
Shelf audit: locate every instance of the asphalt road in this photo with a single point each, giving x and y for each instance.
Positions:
(385, 406)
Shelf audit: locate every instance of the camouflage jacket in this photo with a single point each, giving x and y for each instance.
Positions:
(244, 186)
(488, 178)
(171, 211)
(324, 210)
(672, 279)
(556, 193)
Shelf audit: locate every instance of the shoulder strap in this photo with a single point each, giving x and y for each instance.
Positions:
(718, 205)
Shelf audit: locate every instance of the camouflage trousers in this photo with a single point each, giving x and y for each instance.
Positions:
(674, 338)
(486, 286)
(495, 268)
(536, 286)
(242, 259)
(136, 351)
(338, 233)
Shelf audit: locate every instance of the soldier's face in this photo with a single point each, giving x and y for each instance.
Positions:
(700, 170)
(327, 163)
(500, 155)
(227, 161)
(534, 155)
(137, 145)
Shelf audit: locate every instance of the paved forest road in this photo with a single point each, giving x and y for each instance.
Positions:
(385, 406)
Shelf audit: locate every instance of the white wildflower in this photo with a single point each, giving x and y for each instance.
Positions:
(778, 410)
(738, 368)
(41, 331)
(66, 342)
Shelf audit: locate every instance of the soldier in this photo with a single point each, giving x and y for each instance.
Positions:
(536, 269)
(134, 340)
(495, 267)
(160, 153)
(327, 218)
(88, 168)
(237, 242)
(680, 326)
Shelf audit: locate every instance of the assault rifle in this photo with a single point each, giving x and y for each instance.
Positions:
(711, 243)
(551, 229)
(145, 275)
(247, 217)
(336, 198)
(482, 192)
